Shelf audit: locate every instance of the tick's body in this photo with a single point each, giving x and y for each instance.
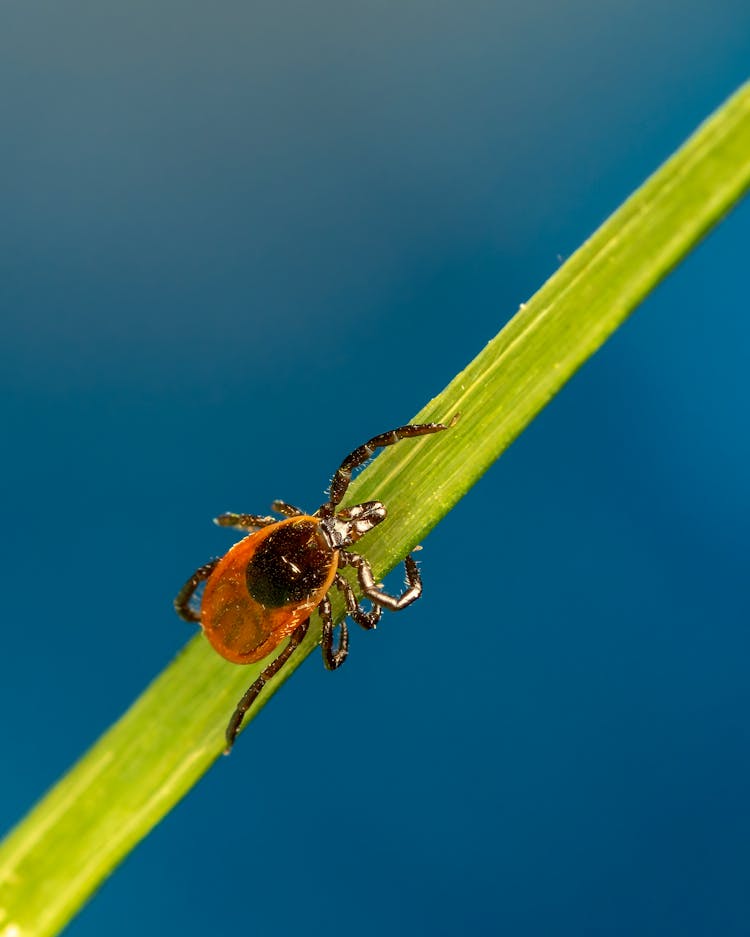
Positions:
(265, 588)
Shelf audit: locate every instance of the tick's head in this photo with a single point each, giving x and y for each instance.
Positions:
(349, 524)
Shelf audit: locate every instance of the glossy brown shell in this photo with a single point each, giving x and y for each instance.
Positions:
(244, 628)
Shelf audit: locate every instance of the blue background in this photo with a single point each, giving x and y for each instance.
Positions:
(236, 240)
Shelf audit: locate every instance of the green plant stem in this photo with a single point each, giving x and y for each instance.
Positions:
(136, 772)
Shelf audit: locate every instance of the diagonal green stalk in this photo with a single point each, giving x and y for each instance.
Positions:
(135, 773)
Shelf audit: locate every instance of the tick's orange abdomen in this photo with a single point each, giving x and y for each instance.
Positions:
(265, 586)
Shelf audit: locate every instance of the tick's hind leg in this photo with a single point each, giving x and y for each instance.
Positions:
(252, 692)
(394, 603)
(182, 601)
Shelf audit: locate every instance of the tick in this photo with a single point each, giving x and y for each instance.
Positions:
(267, 586)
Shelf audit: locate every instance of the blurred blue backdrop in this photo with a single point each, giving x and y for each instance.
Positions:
(208, 212)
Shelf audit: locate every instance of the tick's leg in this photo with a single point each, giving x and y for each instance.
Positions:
(373, 592)
(288, 510)
(252, 692)
(364, 618)
(244, 521)
(361, 454)
(332, 659)
(182, 601)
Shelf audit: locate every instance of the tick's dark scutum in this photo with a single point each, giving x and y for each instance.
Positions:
(289, 566)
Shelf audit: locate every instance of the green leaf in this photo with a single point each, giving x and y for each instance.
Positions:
(73, 839)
